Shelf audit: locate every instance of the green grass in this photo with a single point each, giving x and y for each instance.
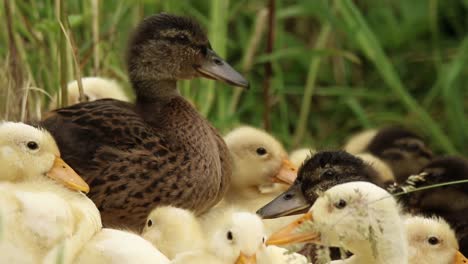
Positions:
(338, 66)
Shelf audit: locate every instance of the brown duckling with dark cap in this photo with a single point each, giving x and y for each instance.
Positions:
(318, 173)
(449, 202)
(401, 149)
(160, 150)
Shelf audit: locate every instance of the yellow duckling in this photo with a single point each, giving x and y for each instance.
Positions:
(261, 171)
(44, 214)
(432, 241)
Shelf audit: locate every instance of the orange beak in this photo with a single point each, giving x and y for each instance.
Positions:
(64, 174)
(460, 259)
(244, 259)
(287, 235)
(287, 173)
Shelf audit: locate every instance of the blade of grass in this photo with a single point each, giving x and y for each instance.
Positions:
(310, 85)
(363, 35)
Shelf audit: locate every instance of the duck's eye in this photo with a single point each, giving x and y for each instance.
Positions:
(433, 240)
(182, 38)
(229, 235)
(328, 174)
(412, 147)
(340, 204)
(150, 223)
(261, 151)
(263, 240)
(32, 145)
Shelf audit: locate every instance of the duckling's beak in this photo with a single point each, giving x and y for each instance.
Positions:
(64, 174)
(287, 235)
(244, 259)
(287, 173)
(291, 202)
(460, 259)
(213, 67)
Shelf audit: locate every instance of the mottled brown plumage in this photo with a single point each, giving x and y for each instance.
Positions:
(160, 150)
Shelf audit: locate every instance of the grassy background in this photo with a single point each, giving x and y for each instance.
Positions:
(337, 66)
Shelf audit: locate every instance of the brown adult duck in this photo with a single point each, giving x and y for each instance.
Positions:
(402, 150)
(160, 150)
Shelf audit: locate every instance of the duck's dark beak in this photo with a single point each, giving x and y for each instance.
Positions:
(213, 67)
(290, 202)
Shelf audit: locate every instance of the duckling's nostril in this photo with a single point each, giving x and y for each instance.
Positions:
(217, 61)
(288, 196)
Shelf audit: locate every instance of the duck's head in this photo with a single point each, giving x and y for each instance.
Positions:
(431, 240)
(318, 173)
(258, 159)
(166, 47)
(28, 153)
(239, 238)
(352, 215)
(404, 151)
(173, 230)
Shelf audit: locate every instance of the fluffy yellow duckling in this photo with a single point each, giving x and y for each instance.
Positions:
(259, 161)
(358, 216)
(94, 88)
(44, 216)
(432, 241)
(173, 231)
(239, 237)
(298, 156)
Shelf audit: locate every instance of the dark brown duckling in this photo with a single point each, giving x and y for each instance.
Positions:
(403, 150)
(160, 150)
(317, 174)
(449, 202)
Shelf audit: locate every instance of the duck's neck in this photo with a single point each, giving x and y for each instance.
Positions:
(385, 244)
(154, 90)
(153, 95)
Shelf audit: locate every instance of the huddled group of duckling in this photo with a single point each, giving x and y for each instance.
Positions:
(108, 181)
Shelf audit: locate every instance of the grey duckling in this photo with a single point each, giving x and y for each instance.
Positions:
(160, 150)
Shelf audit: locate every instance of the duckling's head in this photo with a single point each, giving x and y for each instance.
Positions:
(28, 153)
(431, 240)
(359, 216)
(173, 230)
(167, 47)
(404, 151)
(319, 173)
(258, 159)
(298, 156)
(238, 238)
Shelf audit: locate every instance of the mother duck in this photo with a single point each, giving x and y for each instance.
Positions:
(159, 150)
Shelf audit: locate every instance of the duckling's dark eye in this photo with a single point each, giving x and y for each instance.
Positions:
(328, 174)
(263, 240)
(340, 204)
(433, 240)
(261, 151)
(229, 235)
(32, 145)
(150, 223)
